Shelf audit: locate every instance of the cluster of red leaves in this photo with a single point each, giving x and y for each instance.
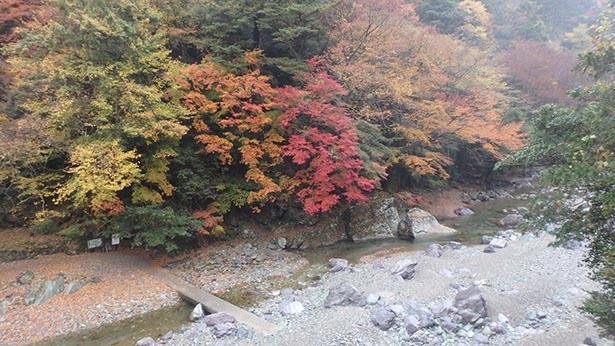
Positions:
(322, 143)
(242, 115)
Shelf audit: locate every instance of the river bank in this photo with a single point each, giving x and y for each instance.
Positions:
(531, 291)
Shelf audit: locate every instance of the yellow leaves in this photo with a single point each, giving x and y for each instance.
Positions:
(99, 170)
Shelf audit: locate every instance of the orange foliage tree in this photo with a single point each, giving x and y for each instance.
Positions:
(424, 89)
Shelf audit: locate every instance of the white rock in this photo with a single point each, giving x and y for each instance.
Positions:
(498, 243)
(291, 308)
(502, 318)
(197, 313)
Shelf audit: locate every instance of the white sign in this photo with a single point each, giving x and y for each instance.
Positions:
(94, 243)
(115, 239)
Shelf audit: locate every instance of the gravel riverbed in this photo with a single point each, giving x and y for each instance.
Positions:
(531, 290)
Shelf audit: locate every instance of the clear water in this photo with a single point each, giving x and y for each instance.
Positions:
(157, 323)
(128, 332)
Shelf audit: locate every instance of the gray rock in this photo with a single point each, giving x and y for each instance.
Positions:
(511, 220)
(282, 242)
(572, 244)
(37, 295)
(470, 304)
(412, 324)
(486, 239)
(453, 245)
(434, 250)
(405, 268)
(481, 338)
(218, 318)
(224, 329)
(448, 325)
(482, 196)
(588, 341)
(25, 277)
(418, 221)
(422, 312)
(345, 294)
(498, 243)
(291, 308)
(3, 306)
(378, 219)
(148, 341)
(168, 336)
(464, 211)
(197, 313)
(74, 286)
(489, 249)
(372, 298)
(382, 318)
(337, 264)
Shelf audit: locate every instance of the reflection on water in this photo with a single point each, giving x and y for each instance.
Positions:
(129, 331)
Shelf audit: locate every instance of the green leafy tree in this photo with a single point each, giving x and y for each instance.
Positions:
(94, 78)
(579, 147)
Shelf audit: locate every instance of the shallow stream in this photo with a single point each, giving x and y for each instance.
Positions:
(158, 323)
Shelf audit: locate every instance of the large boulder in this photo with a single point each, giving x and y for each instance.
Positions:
(345, 294)
(378, 219)
(417, 222)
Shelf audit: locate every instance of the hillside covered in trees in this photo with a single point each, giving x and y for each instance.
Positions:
(156, 119)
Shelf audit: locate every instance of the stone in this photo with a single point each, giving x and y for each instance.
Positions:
(434, 250)
(489, 249)
(345, 294)
(572, 244)
(482, 196)
(376, 220)
(588, 341)
(39, 294)
(481, 339)
(382, 318)
(412, 324)
(337, 264)
(511, 220)
(422, 312)
(486, 239)
(498, 243)
(167, 337)
(25, 277)
(3, 306)
(502, 318)
(74, 286)
(218, 318)
(291, 308)
(282, 242)
(464, 211)
(405, 268)
(418, 221)
(453, 245)
(470, 305)
(372, 298)
(148, 341)
(224, 329)
(197, 313)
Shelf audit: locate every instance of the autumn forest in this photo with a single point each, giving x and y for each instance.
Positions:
(156, 119)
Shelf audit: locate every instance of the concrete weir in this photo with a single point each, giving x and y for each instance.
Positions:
(214, 304)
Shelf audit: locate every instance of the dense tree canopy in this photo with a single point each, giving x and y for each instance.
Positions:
(186, 111)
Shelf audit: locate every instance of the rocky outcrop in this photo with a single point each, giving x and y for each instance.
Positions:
(378, 219)
(417, 222)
